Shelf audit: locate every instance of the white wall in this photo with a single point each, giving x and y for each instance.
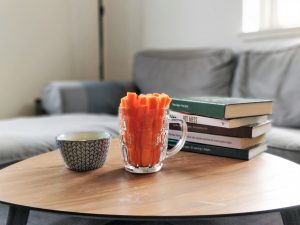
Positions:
(45, 40)
(122, 36)
(198, 23)
(41, 41)
(190, 23)
(165, 24)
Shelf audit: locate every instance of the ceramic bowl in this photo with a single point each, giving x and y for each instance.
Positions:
(84, 151)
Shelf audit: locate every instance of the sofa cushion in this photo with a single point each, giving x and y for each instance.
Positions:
(284, 138)
(84, 96)
(284, 142)
(184, 72)
(272, 75)
(25, 137)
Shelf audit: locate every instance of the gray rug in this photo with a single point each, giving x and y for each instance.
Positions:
(42, 218)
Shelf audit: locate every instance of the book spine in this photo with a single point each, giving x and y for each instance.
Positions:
(223, 141)
(198, 108)
(213, 150)
(200, 119)
(242, 132)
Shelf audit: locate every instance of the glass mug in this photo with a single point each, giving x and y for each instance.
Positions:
(144, 138)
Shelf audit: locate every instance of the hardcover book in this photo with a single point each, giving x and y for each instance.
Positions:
(249, 131)
(245, 154)
(218, 140)
(227, 123)
(222, 107)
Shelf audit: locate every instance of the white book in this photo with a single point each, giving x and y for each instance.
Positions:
(224, 141)
(257, 150)
(226, 123)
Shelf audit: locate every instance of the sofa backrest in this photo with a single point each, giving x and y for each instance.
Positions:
(273, 75)
(184, 72)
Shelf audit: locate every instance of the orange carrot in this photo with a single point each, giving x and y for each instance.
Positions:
(123, 102)
(141, 111)
(131, 113)
(153, 106)
(167, 100)
(157, 130)
(162, 101)
(143, 117)
(140, 105)
(142, 100)
(147, 133)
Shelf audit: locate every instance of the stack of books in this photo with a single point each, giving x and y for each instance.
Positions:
(222, 126)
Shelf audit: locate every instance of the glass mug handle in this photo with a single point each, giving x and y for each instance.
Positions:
(182, 140)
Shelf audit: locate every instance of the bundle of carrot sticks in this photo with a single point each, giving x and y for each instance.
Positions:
(143, 134)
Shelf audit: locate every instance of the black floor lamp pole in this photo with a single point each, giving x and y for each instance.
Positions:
(101, 39)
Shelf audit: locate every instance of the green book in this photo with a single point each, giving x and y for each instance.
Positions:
(222, 107)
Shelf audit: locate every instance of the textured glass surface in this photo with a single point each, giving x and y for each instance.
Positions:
(144, 142)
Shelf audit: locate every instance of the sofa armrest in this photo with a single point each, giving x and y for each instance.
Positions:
(84, 96)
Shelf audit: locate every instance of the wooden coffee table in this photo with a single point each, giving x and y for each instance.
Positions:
(189, 186)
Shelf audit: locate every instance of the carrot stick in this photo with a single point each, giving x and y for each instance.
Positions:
(144, 115)
(142, 100)
(168, 101)
(123, 102)
(131, 111)
(153, 106)
(141, 108)
(162, 101)
(158, 136)
(147, 131)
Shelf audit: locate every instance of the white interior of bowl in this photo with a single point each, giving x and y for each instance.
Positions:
(83, 136)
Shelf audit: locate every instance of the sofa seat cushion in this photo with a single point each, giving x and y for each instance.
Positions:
(25, 137)
(284, 138)
(185, 72)
(272, 75)
(284, 142)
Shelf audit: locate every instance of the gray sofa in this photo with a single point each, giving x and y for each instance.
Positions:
(93, 105)
(88, 106)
